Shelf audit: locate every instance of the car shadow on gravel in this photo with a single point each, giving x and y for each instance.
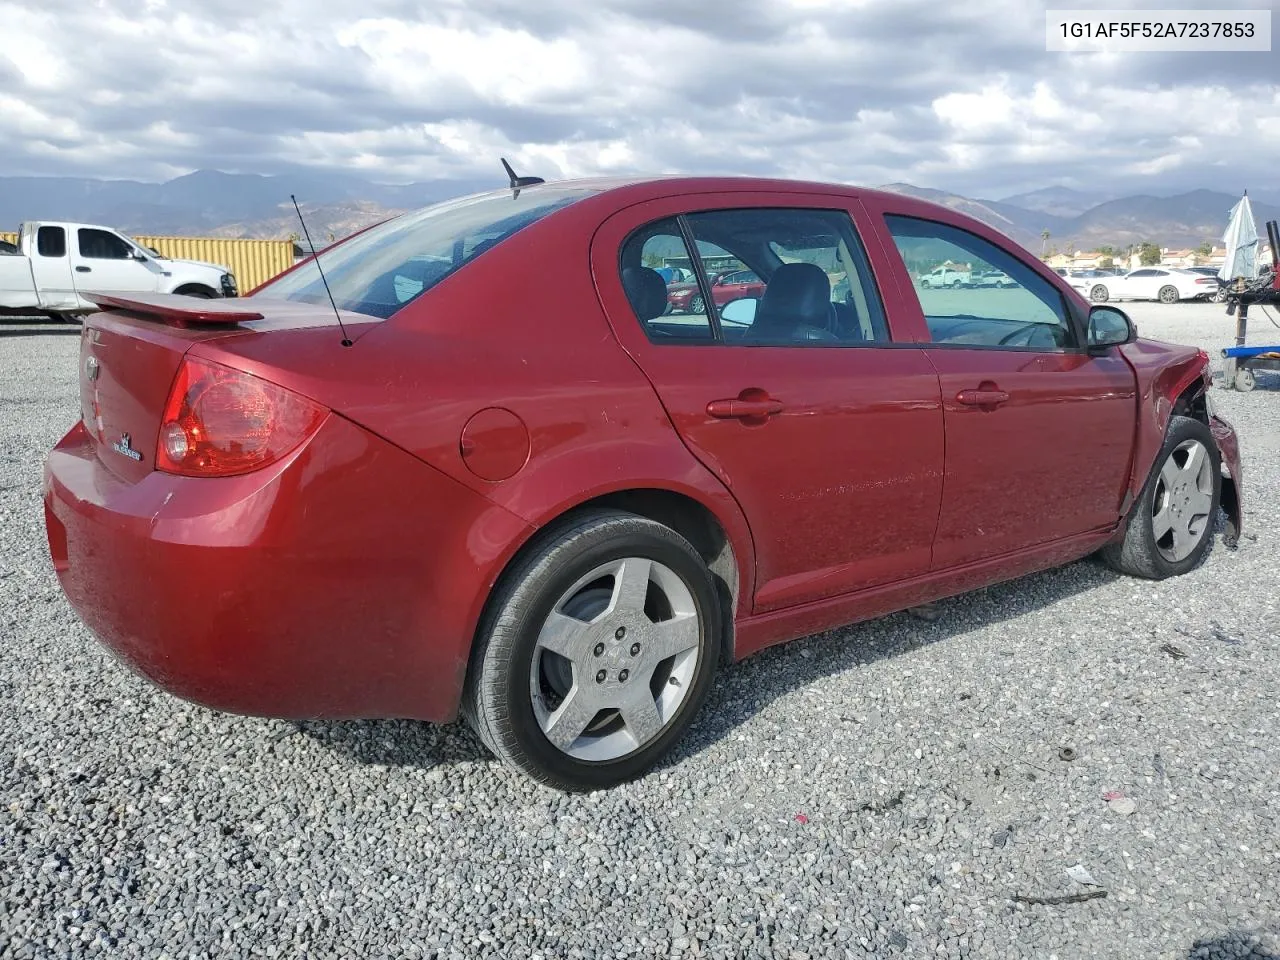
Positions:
(394, 743)
(1238, 945)
(742, 690)
(38, 331)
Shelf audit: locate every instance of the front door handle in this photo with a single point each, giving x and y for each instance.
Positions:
(744, 409)
(986, 395)
(83, 269)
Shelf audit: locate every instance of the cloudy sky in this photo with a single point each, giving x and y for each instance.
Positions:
(959, 95)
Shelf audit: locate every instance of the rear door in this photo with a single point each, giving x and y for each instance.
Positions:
(50, 265)
(1039, 433)
(105, 262)
(827, 433)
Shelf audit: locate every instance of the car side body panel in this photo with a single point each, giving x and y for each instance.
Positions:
(461, 426)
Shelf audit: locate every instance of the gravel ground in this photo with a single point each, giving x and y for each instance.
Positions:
(885, 790)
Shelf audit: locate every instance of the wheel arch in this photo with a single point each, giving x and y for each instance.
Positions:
(187, 289)
(719, 540)
(1172, 384)
(1177, 389)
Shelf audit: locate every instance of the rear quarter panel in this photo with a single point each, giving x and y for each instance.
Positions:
(520, 330)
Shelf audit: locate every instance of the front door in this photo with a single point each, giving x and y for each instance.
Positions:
(828, 436)
(104, 262)
(1039, 433)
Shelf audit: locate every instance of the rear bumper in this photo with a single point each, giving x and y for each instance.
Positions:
(1232, 493)
(344, 581)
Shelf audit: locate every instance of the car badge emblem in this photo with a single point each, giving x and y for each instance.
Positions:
(122, 446)
(91, 368)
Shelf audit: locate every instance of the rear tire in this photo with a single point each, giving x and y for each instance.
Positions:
(1169, 530)
(590, 618)
(1099, 294)
(1169, 294)
(696, 305)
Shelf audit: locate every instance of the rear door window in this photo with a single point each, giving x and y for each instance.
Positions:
(670, 310)
(762, 277)
(51, 242)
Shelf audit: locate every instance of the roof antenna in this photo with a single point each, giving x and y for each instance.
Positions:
(346, 341)
(518, 182)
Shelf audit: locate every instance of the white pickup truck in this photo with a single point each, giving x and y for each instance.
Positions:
(54, 263)
(946, 277)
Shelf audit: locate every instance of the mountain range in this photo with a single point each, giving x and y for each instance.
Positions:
(212, 203)
(1078, 222)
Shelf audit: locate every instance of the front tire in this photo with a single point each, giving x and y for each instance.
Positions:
(1169, 530)
(199, 292)
(596, 652)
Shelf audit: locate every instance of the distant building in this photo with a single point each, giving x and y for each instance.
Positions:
(1177, 258)
(1091, 259)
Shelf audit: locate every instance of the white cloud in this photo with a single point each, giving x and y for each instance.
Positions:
(960, 96)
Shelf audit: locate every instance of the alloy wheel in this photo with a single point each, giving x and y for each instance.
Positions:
(615, 660)
(1180, 509)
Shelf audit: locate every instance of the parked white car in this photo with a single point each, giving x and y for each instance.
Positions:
(946, 277)
(56, 263)
(992, 278)
(1147, 283)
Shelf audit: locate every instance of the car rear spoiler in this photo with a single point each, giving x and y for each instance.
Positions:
(176, 310)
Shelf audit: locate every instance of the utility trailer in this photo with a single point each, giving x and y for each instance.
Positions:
(1241, 360)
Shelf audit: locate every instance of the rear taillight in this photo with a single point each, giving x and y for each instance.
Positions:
(219, 422)
(1206, 280)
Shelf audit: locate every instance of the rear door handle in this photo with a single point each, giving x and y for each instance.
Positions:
(987, 395)
(83, 269)
(738, 409)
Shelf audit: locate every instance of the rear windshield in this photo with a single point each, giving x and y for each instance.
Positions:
(392, 264)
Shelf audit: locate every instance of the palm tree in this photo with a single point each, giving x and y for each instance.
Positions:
(1044, 238)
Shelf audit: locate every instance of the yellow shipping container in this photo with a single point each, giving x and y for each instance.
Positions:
(252, 262)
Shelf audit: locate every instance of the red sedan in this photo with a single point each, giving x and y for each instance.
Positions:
(725, 288)
(512, 486)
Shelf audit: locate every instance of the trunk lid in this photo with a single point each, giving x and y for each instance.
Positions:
(130, 354)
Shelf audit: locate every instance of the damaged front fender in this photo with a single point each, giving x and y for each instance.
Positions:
(1229, 447)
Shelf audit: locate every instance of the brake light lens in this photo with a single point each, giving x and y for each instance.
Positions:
(221, 422)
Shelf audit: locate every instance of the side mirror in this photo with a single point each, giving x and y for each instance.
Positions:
(741, 312)
(1109, 327)
(140, 257)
